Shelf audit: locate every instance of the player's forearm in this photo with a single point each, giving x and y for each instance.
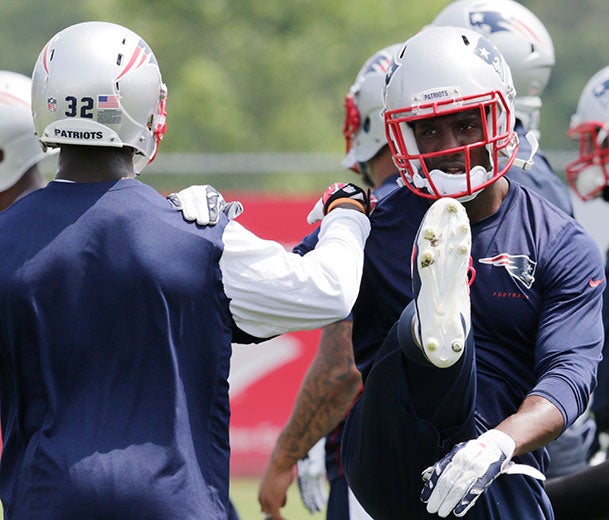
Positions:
(328, 390)
(537, 423)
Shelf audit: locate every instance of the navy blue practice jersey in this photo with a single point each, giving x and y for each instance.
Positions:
(536, 300)
(541, 178)
(97, 405)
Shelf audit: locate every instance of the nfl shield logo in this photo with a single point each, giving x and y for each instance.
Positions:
(52, 105)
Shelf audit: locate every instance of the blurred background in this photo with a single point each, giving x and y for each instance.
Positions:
(255, 107)
(256, 88)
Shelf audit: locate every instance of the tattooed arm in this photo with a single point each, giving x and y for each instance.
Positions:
(328, 390)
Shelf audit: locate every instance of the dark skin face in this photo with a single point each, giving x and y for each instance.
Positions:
(443, 132)
(439, 133)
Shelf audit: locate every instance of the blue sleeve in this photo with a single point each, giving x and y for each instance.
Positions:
(308, 243)
(570, 332)
(600, 402)
(541, 178)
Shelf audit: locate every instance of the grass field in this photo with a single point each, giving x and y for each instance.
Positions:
(244, 494)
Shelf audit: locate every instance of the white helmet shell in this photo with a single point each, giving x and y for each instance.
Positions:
(522, 39)
(364, 128)
(588, 175)
(593, 104)
(99, 84)
(444, 70)
(19, 148)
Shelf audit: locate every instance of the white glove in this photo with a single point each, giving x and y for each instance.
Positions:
(203, 204)
(454, 483)
(312, 478)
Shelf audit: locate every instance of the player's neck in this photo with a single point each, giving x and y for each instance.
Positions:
(94, 164)
(488, 202)
(382, 176)
(381, 167)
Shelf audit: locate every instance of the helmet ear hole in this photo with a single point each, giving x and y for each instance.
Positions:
(366, 125)
(1, 155)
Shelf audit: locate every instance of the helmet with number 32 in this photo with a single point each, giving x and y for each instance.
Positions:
(443, 71)
(99, 84)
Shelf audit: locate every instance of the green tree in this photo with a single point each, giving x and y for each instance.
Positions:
(271, 76)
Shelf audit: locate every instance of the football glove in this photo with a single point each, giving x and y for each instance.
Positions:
(203, 204)
(454, 483)
(340, 192)
(312, 478)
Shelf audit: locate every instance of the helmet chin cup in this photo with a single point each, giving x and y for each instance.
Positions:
(449, 185)
(590, 182)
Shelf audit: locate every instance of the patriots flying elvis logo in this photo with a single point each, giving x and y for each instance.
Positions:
(380, 64)
(392, 68)
(601, 93)
(491, 55)
(141, 55)
(519, 267)
(489, 22)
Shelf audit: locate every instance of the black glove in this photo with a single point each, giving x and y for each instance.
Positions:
(339, 193)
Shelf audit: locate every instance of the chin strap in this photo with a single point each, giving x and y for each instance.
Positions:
(528, 164)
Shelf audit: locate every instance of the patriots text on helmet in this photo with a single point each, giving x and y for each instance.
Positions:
(78, 134)
(430, 96)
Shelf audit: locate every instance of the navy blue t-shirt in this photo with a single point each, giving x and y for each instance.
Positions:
(535, 300)
(541, 178)
(115, 341)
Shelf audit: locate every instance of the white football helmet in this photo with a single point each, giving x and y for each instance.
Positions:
(523, 40)
(99, 84)
(588, 175)
(442, 71)
(364, 127)
(19, 148)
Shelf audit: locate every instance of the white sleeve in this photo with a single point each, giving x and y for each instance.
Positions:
(274, 291)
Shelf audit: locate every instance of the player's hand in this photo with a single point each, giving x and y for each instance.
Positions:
(203, 204)
(454, 483)
(312, 478)
(339, 193)
(273, 489)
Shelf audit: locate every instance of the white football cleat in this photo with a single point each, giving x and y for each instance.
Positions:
(441, 260)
